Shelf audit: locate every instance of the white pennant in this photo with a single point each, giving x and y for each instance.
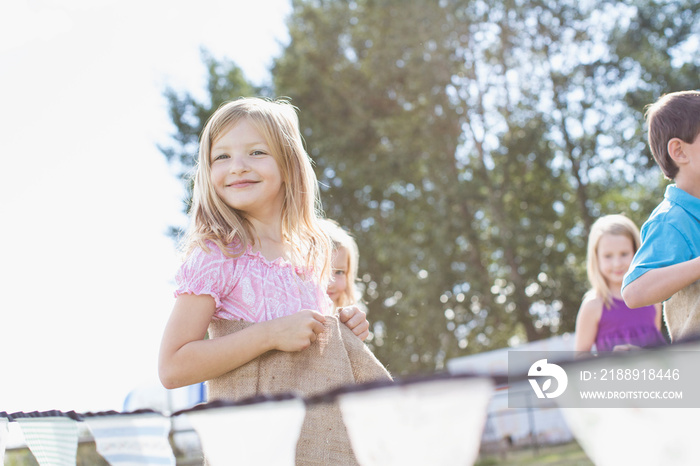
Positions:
(633, 433)
(436, 422)
(52, 440)
(639, 436)
(132, 438)
(261, 433)
(4, 435)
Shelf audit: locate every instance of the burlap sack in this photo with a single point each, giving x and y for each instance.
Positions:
(682, 313)
(337, 358)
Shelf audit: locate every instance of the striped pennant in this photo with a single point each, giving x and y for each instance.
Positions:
(52, 439)
(132, 438)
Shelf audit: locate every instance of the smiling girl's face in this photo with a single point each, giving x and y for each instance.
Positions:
(244, 172)
(615, 253)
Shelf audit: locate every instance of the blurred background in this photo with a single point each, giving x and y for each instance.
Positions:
(469, 146)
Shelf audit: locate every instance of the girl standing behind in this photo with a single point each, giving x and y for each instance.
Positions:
(255, 276)
(345, 257)
(341, 288)
(604, 318)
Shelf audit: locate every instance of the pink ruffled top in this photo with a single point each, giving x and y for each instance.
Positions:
(250, 287)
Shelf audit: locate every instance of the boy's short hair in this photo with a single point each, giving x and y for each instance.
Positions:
(674, 115)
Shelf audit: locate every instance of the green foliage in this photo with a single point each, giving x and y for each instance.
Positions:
(469, 146)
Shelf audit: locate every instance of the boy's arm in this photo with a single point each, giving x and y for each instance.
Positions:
(657, 285)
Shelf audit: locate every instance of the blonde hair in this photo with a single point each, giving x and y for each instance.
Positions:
(614, 225)
(342, 240)
(213, 220)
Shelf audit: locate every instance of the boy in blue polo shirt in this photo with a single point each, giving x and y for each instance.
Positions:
(666, 268)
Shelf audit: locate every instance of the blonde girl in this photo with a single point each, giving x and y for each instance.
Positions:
(342, 288)
(604, 319)
(255, 250)
(255, 276)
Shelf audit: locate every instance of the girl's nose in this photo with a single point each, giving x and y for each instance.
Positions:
(238, 165)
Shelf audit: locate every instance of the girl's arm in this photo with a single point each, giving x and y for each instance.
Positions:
(587, 324)
(657, 285)
(657, 321)
(186, 358)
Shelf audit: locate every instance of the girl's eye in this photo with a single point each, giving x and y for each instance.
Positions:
(339, 272)
(258, 152)
(220, 157)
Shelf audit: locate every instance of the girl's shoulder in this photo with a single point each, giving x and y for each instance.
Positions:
(208, 259)
(208, 263)
(592, 305)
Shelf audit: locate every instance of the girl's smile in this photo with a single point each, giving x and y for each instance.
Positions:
(241, 184)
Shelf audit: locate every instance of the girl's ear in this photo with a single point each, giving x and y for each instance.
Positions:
(675, 150)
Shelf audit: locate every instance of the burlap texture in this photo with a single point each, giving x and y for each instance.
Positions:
(337, 358)
(682, 313)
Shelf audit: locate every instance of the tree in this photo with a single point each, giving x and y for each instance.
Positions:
(469, 146)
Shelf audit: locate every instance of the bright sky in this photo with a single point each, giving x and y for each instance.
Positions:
(86, 274)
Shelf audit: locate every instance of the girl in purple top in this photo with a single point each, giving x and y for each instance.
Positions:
(255, 250)
(603, 318)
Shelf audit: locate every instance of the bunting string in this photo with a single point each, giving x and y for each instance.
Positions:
(436, 420)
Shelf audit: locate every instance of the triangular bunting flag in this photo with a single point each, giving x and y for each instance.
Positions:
(52, 439)
(252, 434)
(437, 422)
(634, 431)
(639, 436)
(132, 438)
